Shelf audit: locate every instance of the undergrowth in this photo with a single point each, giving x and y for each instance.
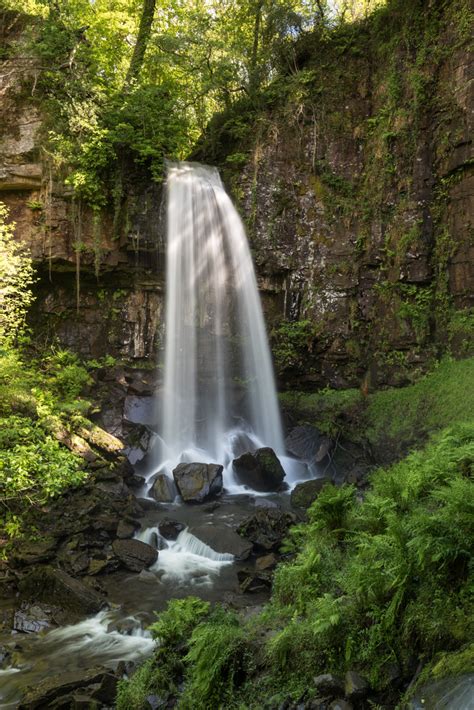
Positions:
(373, 585)
(40, 400)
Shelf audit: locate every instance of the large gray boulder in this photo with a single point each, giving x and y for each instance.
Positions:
(134, 554)
(198, 482)
(307, 443)
(261, 471)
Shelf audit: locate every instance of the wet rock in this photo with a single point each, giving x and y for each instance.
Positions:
(306, 492)
(30, 619)
(340, 704)
(261, 471)
(307, 443)
(266, 528)
(56, 690)
(29, 553)
(197, 482)
(266, 562)
(163, 489)
(135, 481)
(329, 684)
(47, 583)
(223, 539)
(126, 529)
(134, 554)
(148, 504)
(103, 564)
(5, 657)
(355, 686)
(251, 581)
(170, 529)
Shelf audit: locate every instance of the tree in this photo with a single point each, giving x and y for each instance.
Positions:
(16, 279)
(144, 32)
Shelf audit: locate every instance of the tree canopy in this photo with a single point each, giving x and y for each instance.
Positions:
(145, 76)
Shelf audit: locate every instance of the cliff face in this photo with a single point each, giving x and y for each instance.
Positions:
(354, 176)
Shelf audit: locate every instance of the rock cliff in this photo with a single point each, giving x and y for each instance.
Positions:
(353, 175)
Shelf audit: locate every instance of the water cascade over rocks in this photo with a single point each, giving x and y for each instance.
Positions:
(219, 398)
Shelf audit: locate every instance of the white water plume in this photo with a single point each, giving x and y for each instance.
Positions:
(218, 370)
(186, 560)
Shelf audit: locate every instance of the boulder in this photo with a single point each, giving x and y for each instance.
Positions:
(126, 529)
(47, 583)
(305, 493)
(307, 443)
(261, 471)
(134, 554)
(223, 539)
(266, 528)
(57, 690)
(163, 489)
(170, 529)
(355, 685)
(197, 482)
(30, 552)
(329, 684)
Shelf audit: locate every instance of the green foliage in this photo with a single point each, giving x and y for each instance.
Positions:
(16, 279)
(292, 341)
(214, 662)
(177, 621)
(326, 409)
(38, 403)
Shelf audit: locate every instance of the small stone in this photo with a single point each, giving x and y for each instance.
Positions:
(266, 562)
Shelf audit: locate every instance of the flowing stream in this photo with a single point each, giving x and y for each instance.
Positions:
(218, 401)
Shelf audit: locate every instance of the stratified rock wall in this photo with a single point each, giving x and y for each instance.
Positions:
(353, 175)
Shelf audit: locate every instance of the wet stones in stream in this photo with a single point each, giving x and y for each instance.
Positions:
(261, 470)
(134, 554)
(163, 489)
(198, 482)
(87, 688)
(266, 528)
(46, 584)
(223, 539)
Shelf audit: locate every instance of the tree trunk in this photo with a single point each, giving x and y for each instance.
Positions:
(253, 74)
(144, 32)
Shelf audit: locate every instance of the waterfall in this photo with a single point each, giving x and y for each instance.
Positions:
(218, 376)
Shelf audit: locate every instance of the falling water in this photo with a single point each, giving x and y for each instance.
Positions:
(219, 386)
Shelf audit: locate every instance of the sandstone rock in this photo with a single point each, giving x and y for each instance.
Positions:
(266, 528)
(197, 482)
(47, 583)
(163, 489)
(134, 554)
(32, 618)
(261, 471)
(223, 539)
(305, 493)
